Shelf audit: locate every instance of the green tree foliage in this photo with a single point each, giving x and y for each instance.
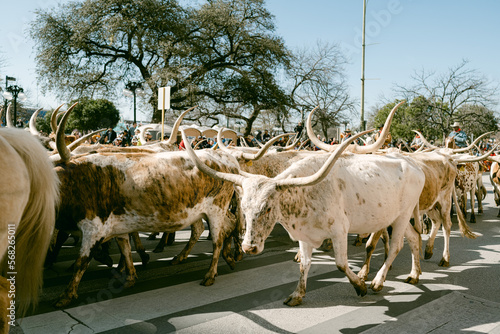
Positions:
(43, 123)
(477, 120)
(88, 115)
(95, 46)
(420, 113)
(446, 94)
(93, 115)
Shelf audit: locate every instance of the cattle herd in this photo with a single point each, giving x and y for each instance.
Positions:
(51, 190)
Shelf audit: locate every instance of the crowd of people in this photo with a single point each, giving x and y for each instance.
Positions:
(130, 136)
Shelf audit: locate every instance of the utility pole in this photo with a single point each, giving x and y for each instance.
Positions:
(363, 123)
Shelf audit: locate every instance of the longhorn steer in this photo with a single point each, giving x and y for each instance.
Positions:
(120, 193)
(435, 200)
(339, 198)
(162, 146)
(465, 183)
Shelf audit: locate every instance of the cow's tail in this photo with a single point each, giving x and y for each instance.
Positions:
(35, 228)
(462, 223)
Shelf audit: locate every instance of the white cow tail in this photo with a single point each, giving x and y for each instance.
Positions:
(462, 223)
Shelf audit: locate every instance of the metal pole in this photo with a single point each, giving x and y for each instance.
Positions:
(163, 116)
(15, 109)
(5, 103)
(363, 124)
(134, 106)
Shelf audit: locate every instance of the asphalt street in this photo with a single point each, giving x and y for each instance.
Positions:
(464, 297)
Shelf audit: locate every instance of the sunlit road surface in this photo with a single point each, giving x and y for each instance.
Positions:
(464, 297)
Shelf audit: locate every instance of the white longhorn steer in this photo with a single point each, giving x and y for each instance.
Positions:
(328, 196)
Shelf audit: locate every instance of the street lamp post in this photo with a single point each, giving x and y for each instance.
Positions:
(133, 88)
(7, 79)
(13, 93)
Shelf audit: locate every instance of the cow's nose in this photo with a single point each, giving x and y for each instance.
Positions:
(249, 249)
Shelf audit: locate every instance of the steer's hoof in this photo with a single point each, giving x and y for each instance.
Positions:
(411, 280)
(361, 289)
(443, 263)
(207, 281)
(176, 260)
(428, 255)
(375, 286)
(293, 300)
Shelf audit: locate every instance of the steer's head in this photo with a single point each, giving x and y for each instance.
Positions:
(259, 202)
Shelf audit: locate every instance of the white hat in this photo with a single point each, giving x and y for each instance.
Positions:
(456, 125)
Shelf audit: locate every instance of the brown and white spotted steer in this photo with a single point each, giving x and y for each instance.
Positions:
(108, 195)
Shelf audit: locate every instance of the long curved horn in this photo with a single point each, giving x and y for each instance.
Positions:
(420, 149)
(310, 133)
(198, 144)
(8, 117)
(53, 119)
(303, 143)
(407, 147)
(32, 123)
(292, 145)
(62, 149)
(478, 158)
(235, 178)
(79, 141)
(244, 155)
(465, 149)
(357, 149)
(426, 143)
(243, 142)
(323, 172)
(259, 143)
(175, 128)
(383, 135)
(143, 131)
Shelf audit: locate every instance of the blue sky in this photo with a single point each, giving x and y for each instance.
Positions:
(405, 36)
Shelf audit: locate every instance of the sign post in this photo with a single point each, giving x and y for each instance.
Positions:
(163, 103)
